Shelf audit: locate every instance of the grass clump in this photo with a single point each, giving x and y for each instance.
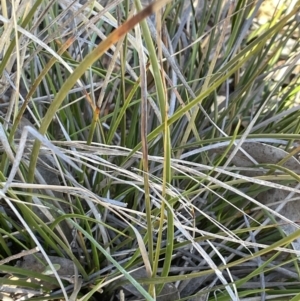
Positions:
(149, 150)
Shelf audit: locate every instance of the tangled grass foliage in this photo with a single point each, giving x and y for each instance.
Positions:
(149, 151)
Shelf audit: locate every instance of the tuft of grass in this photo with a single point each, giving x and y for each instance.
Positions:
(149, 150)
